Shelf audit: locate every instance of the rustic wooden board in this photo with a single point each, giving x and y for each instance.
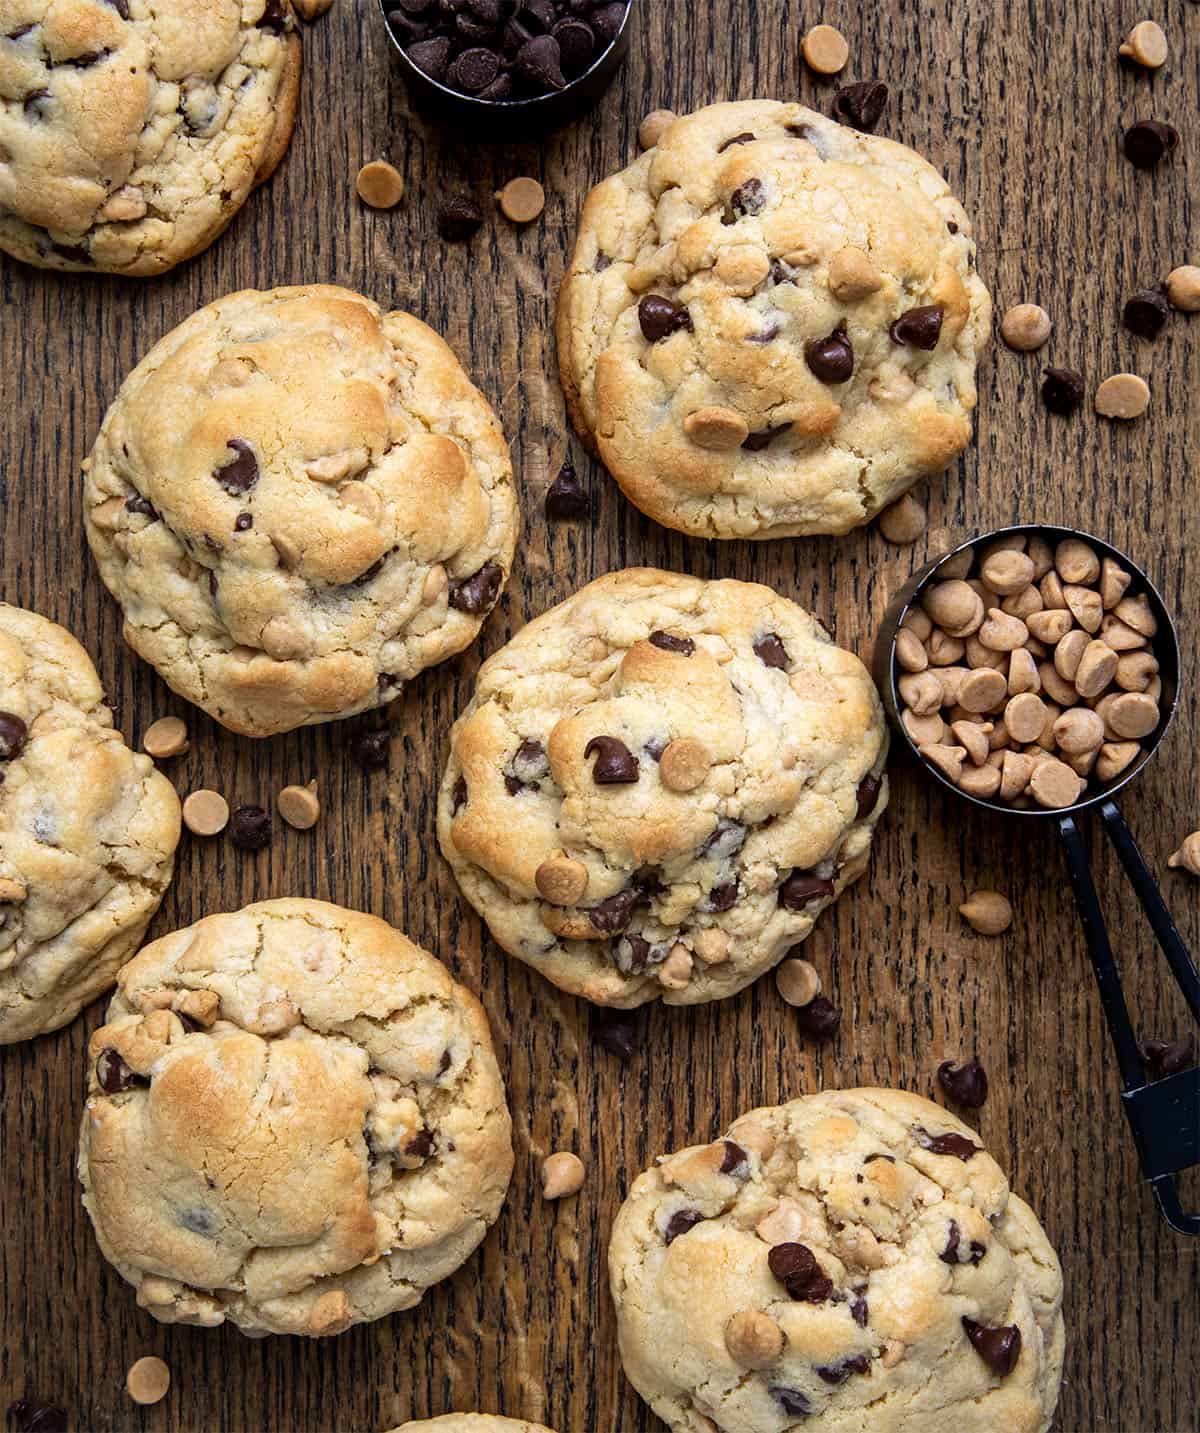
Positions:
(1022, 106)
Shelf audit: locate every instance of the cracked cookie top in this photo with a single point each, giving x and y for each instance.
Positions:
(300, 502)
(473, 1423)
(659, 785)
(295, 1122)
(851, 1260)
(770, 323)
(88, 831)
(131, 132)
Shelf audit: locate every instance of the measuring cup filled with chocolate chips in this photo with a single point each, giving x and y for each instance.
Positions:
(1034, 671)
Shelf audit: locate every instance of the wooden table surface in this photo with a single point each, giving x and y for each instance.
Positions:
(1022, 105)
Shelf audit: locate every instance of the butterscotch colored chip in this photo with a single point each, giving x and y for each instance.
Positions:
(684, 764)
(148, 1381)
(718, 429)
(1025, 327)
(903, 521)
(562, 880)
(852, 276)
(798, 982)
(1053, 784)
(1132, 715)
(166, 737)
(1007, 571)
(521, 200)
(562, 1175)
(754, 1339)
(982, 690)
(380, 185)
(1025, 717)
(825, 50)
(1124, 395)
(299, 806)
(947, 759)
(1146, 44)
(1183, 288)
(205, 813)
(987, 912)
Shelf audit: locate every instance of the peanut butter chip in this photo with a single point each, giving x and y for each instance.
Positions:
(107, 515)
(379, 184)
(1124, 395)
(947, 759)
(754, 1339)
(561, 880)
(825, 50)
(148, 1380)
(435, 584)
(362, 499)
(205, 813)
(654, 126)
(1114, 757)
(1187, 858)
(165, 737)
(903, 521)
(987, 912)
(299, 806)
(718, 429)
(1054, 784)
(562, 1175)
(521, 200)
(1133, 715)
(798, 982)
(11, 892)
(685, 763)
(711, 946)
(982, 690)
(1183, 288)
(852, 276)
(1025, 327)
(1025, 717)
(675, 972)
(1146, 45)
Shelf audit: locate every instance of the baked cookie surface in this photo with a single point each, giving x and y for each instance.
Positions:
(133, 131)
(473, 1423)
(295, 1122)
(88, 831)
(820, 1268)
(659, 784)
(300, 502)
(770, 323)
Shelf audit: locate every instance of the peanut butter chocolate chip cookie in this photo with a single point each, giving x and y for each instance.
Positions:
(131, 132)
(850, 1260)
(770, 324)
(88, 831)
(294, 1122)
(300, 502)
(660, 784)
(473, 1423)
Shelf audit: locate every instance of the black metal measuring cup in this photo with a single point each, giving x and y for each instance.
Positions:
(1164, 1115)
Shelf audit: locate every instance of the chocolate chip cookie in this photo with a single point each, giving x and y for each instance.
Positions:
(299, 502)
(131, 133)
(473, 1423)
(88, 831)
(770, 324)
(850, 1260)
(294, 1122)
(660, 784)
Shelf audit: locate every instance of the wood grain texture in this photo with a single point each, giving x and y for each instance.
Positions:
(1022, 105)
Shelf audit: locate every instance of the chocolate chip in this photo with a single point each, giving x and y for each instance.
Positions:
(918, 327)
(949, 1143)
(1146, 313)
(499, 89)
(473, 71)
(477, 593)
(444, 1063)
(802, 887)
(459, 217)
(35, 103)
(861, 104)
(74, 253)
(859, 1311)
(371, 749)
(421, 1145)
(608, 19)
(1062, 390)
(566, 496)
(818, 1019)
(655, 747)
(540, 62)
(744, 138)
(634, 953)
(999, 1347)
(432, 57)
(27, 1414)
(659, 317)
(797, 1269)
(1167, 1057)
(680, 1222)
(954, 1253)
(135, 503)
(199, 1221)
(13, 735)
(772, 652)
(243, 522)
(839, 1372)
(965, 1084)
(240, 474)
(870, 1159)
(782, 273)
(749, 198)
(121, 7)
(726, 839)
(831, 358)
(791, 1400)
(1148, 141)
(683, 645)
(250, 828)
(868, 795)
(274, 16)
(735, 1158)
(722, 898)
(576, 45)
(113, 1074)
(458, 797)
(616, 1032)
(615, 764)
(613, 914)
(756, 442)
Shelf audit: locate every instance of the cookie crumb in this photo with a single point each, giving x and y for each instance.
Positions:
(654, 126)
(1146, 45)
(299, 806)
(987, 912)
(1123, 396)
(903, 521)
(798, 982)
(521, 200)
(562, 1175)
(380, 184)
(1183, 288)
(168, 736)
(148, 1380)
(1025, 327)
(205, 813)
(825, 50)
